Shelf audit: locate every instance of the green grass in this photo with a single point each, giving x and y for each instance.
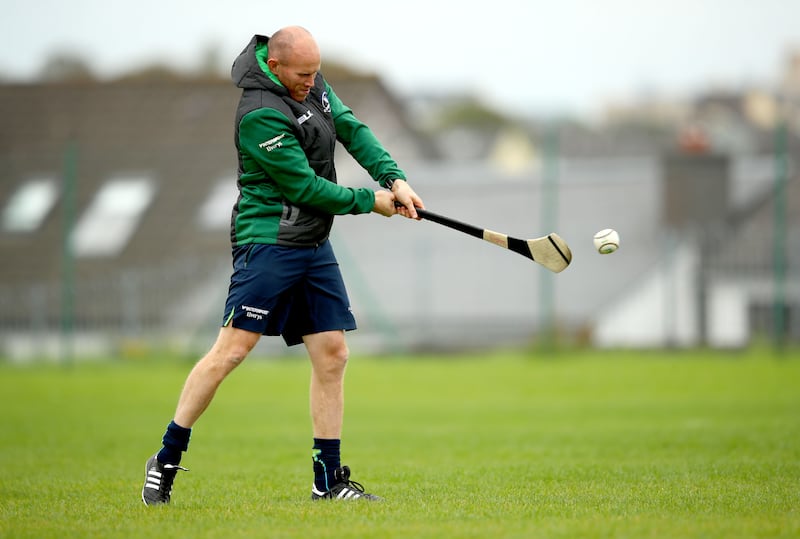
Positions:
(585, 444)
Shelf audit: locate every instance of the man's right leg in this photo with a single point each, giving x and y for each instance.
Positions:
(230, 349)
(228, 352)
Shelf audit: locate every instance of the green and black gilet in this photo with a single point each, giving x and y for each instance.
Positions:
(288, 193)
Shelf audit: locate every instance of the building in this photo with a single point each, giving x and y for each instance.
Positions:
(138, 176)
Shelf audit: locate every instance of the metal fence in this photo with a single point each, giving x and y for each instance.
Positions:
(418, 286)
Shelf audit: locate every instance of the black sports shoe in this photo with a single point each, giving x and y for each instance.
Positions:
(344, 489)
(158, 480)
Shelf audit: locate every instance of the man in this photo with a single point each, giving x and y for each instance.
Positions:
(286, 280)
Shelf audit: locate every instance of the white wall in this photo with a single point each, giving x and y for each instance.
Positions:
(658, 310)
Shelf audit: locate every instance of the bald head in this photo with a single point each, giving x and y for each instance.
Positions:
(294, 58)
(292, 40)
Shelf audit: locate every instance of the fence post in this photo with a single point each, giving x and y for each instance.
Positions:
(69, 182)
(779, 239)
(549, 218)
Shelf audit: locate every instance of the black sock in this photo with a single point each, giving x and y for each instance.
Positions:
(176, 440)
(326, 458)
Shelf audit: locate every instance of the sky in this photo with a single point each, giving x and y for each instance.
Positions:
(540, 57)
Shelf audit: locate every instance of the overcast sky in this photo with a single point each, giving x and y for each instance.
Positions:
(533, 56)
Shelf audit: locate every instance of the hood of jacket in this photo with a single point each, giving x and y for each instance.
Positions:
(246, 71)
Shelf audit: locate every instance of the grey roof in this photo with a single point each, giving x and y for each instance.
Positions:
(180, 133)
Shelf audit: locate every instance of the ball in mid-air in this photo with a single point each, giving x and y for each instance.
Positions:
(606, 241)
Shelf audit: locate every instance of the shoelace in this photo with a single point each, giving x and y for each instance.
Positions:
(168, 476)
(175, 467)
(355, 485)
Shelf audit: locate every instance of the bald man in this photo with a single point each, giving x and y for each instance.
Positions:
(286, 280)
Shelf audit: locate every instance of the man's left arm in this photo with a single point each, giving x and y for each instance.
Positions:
(360, 142)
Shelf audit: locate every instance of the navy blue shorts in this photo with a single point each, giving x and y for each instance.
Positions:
(288, 291)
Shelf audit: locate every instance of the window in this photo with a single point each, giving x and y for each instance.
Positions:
(215, 213)
(112, 217)
(29, 205)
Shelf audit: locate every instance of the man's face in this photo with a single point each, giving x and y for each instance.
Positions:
(297, 72)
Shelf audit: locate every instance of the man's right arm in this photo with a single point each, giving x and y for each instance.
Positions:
(268, 143)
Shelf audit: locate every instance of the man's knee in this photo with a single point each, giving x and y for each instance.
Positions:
(336, 356)
(329, 353)
(233, 346)
(339, 355)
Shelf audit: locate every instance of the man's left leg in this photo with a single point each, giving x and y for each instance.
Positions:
(328, 354)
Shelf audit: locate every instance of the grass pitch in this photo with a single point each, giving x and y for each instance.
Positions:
(584, 444)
